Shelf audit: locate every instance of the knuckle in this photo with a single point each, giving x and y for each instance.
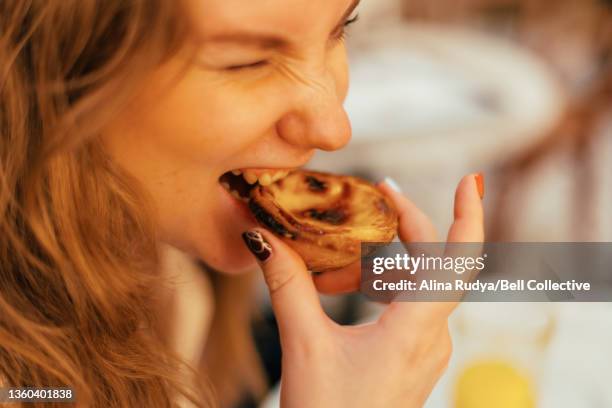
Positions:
(277, 278)
(425, 320)
(409, 348)
(445, 353)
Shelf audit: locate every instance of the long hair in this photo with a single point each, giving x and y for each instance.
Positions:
(78, 256)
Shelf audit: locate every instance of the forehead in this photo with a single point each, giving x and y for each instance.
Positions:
(289, 18)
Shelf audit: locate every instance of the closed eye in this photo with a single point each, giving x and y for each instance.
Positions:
(250, 65)
(338, 35)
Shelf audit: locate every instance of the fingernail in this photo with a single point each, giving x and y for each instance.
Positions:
(393, 184)
(257, 245)
(480, 184)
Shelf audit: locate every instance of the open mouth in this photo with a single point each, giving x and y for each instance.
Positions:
(240, 182)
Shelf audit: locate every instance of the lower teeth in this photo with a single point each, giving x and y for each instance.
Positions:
(235, 194)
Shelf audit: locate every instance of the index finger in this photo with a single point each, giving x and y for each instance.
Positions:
(467, 227)
(468, 224)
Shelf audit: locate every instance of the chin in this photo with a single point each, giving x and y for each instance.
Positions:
(232, 266)
(227, 255)
(218, 245)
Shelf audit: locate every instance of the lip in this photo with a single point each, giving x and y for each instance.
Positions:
(260, 170)
(297, 161)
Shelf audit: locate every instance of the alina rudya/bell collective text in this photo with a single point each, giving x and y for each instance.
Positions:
(480, 286)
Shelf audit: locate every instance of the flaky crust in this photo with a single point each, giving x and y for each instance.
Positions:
(324, 217)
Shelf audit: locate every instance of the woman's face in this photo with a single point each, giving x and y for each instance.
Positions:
(266, 90)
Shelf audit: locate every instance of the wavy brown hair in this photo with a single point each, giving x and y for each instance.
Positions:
(78, 257)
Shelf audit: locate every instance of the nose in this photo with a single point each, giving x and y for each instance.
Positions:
(316, 118)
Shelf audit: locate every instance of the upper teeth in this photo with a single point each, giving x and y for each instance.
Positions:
(250, 177)
(266, 178)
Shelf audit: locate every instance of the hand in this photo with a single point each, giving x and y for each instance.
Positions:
(393, 362)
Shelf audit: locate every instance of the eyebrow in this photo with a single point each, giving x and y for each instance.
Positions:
(267, 41)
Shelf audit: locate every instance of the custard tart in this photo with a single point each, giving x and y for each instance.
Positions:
(324, 217)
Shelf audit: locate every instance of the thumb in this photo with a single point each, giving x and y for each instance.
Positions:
(294, 298)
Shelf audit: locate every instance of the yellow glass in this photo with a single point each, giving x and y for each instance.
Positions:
(493, 383)
(499, 354)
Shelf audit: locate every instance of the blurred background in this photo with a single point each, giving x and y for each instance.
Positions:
(522, 91)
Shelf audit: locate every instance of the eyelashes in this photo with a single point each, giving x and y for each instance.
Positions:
(341, 35)
(351, 20)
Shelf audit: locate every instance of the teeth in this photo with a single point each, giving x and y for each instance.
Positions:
(235, 193)
(251, 178)
(265, 179)
(279, 175)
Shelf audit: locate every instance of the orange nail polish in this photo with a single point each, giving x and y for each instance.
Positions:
(480, 184)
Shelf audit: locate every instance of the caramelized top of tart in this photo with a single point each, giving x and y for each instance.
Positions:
(307, 202)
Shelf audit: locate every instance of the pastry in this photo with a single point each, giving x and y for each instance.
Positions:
(324, 217)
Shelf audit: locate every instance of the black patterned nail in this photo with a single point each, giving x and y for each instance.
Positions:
(257, 245)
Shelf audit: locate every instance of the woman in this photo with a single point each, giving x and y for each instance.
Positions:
(117, 120)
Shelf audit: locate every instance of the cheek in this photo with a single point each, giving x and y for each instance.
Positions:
(203, 119)
(177, 147)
